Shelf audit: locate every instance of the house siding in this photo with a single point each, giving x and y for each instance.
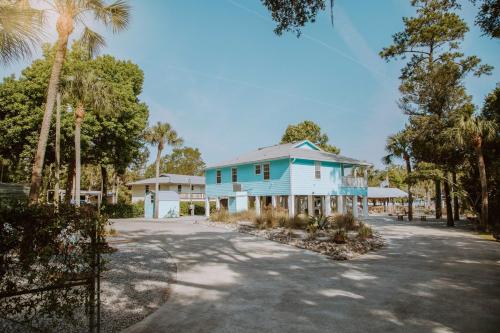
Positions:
(305, 183)
(278, 184)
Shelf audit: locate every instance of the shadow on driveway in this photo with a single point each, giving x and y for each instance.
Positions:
(426, 279)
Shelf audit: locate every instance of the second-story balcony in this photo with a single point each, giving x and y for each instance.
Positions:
(351, 181)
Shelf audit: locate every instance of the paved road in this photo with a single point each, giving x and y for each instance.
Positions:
(428, 279)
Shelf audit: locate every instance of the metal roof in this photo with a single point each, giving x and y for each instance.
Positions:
(168, 196)
(170, 178)
(288, 150)
(386, 192)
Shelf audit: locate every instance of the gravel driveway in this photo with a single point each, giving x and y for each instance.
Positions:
(427, 279)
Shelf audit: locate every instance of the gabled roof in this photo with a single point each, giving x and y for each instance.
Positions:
(171, 178)
(386, 192)
(289, 150)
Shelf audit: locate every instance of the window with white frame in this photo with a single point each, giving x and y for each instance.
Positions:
(218, 177)
(317, 170)
(179, 188)
(234, 175)
(267, 171)
(257, 169)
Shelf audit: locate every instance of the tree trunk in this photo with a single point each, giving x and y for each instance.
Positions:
(58, 150)
(79, 115)
(438, 200)
(36, 175)
(484, 184)
(410, 195)
(104, 179)
(157, 184)
(447, 199)
(69, 182)
(77, 164)
(456, 205)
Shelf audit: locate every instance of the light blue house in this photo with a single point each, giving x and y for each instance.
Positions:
(299, 177)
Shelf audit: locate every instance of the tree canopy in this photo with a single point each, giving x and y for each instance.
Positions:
(182, 161)
(113, 139)
(311, 131)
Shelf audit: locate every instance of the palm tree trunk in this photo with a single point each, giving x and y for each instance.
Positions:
(58, 150)
(410, 195)
(104, 179)
(456, 205)
(36, 175)
(69, 182)
(447, 199)
(78, 167)
(157, 183)
(438, 200)
(484, 184)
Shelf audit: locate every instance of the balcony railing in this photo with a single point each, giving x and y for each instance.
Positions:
(193, 196)
(351, 181)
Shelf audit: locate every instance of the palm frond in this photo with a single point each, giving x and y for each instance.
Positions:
(116, 15)
(21, 29)
(92, 40)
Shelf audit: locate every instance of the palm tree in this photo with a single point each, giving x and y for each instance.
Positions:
(161, 135)
(69, 13)
(86, 90)
(475, 130)
(20, 29)
(399, 146)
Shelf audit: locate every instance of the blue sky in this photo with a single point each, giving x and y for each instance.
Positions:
(216, 71)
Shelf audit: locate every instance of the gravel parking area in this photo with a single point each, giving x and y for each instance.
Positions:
(136, 284)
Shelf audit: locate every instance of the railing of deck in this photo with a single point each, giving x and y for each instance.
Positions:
(351, 181)
(193, 196)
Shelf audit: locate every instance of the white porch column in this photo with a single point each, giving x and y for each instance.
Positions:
(310, 208)
(207, 207)
(355, 205)
(291, 205)
(273, 201)
(257, 205)
(217, 203)
(340, 204)
(327, 210)
(365, 206)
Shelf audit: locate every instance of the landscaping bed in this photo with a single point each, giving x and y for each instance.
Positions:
(340, 237)
(323, 243)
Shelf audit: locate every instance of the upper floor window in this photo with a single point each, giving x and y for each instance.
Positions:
(267, 171)
(218, 176)
(147, 188)
(179, 188)
(192, 187)
(257, 169)
(317, 170)
(234, 175)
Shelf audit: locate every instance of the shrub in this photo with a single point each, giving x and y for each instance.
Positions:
(123, 210)
(199, 207)
(365, 231)
(298, 222)
(272, 218)
(340, 236)
(346, 222)
(312, 230)
(42, 247)
(321, 222)
(221, 215)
